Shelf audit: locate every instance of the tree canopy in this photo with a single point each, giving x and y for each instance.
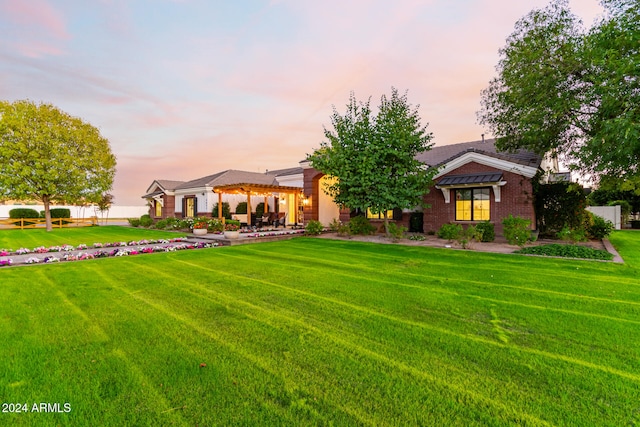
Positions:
(569, 90)
(50, 156)
(372, 156)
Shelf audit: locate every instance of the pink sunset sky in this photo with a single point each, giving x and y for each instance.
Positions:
(187, 88)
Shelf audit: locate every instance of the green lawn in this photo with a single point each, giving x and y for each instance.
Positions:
(318, 332)
(32, 238)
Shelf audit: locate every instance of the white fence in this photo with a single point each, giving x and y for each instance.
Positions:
(611, 213)
(85, 212)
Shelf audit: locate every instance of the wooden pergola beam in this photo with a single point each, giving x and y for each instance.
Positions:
(255, 189)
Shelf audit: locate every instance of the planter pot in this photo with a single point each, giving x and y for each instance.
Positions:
(231, 234)
(199, 231)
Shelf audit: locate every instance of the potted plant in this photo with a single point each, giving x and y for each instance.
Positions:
(200, 227)
(231, 231)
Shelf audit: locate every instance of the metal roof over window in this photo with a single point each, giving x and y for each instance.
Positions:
(471, 179)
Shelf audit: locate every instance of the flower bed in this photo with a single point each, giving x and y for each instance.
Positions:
(119, 249)
(272, 233)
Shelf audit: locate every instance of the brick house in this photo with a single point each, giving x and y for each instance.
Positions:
(474, 183)
(161, 198)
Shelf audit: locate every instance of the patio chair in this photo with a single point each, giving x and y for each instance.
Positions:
(282, 221)
(265, 219)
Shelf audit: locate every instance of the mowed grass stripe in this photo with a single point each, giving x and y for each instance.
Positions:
(172, 325)
(392, 318)
(32, 238)
(276, 320)
(443, 259)
(434, 283)
(608, 339)
(457, 273)
(574, 360)
(328, 363)
(165, 307)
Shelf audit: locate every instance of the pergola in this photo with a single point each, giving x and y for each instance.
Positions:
(249, 190)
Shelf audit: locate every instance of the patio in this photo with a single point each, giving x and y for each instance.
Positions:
(253, 236)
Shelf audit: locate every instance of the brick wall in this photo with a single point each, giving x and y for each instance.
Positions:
(516, 199)
(169, 206)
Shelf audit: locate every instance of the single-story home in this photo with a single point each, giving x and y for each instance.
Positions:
(475, 182)
(280, 191)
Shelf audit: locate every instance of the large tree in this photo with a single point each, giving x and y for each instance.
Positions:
(372, 156)
(576, 92)
(50, 156)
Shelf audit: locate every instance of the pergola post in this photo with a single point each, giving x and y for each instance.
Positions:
(249, 208)
(296, 201)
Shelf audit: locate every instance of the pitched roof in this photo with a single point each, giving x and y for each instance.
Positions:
(169, 184)
(445, 153)
(285, 172)
(164, 184)
(230, 176)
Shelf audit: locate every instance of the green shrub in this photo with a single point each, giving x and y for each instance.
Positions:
(146, 221)
(170, 223)
(517, 230)
(360, 225)
(572, 235)
(163, 224)
(568, 251)
(335, 225)
(558, 204)
(233, 222)
(134, 222)
(60, 213)
(23, 213)
(260, 209)
(396, 231)
(215, 225)
(313, 228)
(600, 228)
(241, 208)
(184, 223)
(450, 232)
(226, 210)
(19, 213)
(487, 230)
(468, 235)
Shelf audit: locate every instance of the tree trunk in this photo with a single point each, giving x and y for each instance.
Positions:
(47, 212)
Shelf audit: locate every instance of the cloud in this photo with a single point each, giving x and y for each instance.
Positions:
(34, 28)
(189, 88)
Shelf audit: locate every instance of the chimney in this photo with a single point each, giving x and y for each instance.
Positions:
(483, 138)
